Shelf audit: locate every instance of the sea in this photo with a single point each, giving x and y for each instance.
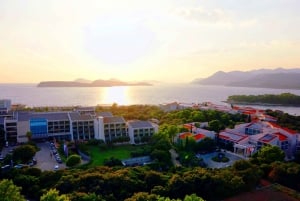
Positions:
(33, 96)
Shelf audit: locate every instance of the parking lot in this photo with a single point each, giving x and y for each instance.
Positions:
(45, 158)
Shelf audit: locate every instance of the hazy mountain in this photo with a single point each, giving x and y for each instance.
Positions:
(96, 83)
(263, 78)
(278, 81)
(81, 80)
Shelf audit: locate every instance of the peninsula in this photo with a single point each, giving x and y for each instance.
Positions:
(284, 99)
(96, 83)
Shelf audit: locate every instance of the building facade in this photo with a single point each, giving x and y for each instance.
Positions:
(140, 131)
(83, 124)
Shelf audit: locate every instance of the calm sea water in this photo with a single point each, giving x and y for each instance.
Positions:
(31, 95)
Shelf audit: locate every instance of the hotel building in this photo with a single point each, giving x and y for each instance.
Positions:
(80, 124)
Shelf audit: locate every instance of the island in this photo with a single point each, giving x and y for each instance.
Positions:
(284, 99)
(96, 83)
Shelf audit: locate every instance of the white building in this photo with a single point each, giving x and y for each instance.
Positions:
(109, 127)
(139, 130)
(252, 136)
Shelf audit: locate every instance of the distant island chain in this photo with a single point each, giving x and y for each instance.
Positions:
(96, 83)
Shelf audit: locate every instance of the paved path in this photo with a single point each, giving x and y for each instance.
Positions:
(174, 155)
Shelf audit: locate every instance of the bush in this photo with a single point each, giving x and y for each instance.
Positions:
(223, 159)
(95, 142)
(83, 148)
(112, 161)
(73, 160)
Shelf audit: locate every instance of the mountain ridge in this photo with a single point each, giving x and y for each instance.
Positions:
(278, 78)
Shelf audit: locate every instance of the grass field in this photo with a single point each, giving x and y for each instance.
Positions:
(119, 152)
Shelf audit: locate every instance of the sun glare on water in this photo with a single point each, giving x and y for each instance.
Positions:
(117, 95)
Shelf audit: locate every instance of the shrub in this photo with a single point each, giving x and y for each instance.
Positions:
(73, 160)
(95, 142)
(112, 161)
(223, 159)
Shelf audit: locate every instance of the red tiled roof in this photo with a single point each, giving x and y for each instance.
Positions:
(289, 130)
(188, 126)
(185, 135)
(274, 125)
(199, 136)
(249, 112)
(281, 136)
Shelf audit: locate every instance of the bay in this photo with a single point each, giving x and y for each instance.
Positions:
(31, 95)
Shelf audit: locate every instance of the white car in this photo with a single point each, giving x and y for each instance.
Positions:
(56, 167)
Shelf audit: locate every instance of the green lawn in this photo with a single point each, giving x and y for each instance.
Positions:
(119, 152)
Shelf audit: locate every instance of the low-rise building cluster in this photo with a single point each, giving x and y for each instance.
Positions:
(80, 124)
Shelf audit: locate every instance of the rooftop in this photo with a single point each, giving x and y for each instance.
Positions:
(51, 116)
(281, 136)
(140, 124)
(75, 116)
(105, 114)
(197, 137)
(234, 137)
(184, 135)
(109, 120)
(268, 138)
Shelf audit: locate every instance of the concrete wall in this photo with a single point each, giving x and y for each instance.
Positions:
(22, 128)
(99, 128)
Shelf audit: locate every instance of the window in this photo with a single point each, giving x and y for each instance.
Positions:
(38, 126)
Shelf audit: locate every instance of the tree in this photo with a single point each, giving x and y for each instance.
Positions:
(53, 195)
(172, 132)
(207, 144)
(142, 196)
(215, 125)
(73, 160)
(24, 153)
(29, 135)
(192, 197)
(269, 154)
(112, 161)
(9, 192)
(197, 125)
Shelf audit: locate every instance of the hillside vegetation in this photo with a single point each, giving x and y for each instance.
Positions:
(286, 99)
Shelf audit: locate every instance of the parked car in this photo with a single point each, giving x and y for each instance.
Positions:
(56, 167)
(20, 166)
(5, 168)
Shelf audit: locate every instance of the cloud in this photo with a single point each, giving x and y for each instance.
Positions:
(205, 16)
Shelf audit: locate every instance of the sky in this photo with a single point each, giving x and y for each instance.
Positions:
(134, 40)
